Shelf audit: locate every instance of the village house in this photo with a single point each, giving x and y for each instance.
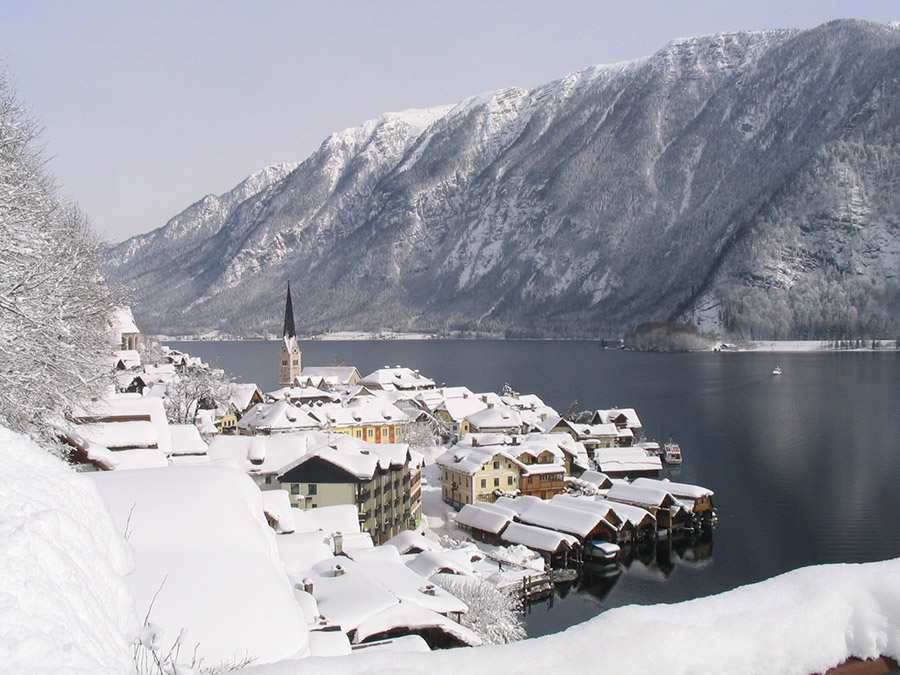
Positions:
(625, 419)
(378, 478)
(471, 474)
(370, 419)
(328, 377)
(278, 417)
(396, 378)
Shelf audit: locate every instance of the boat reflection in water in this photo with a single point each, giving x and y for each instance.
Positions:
(595, 580)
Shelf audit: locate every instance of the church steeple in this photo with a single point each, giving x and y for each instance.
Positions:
(290, 351)
(289, 330)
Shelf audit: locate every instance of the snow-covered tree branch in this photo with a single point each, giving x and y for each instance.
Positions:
(54, 305)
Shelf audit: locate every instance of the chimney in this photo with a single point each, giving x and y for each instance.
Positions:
(338, 539)
(338, 570)
(308, 585)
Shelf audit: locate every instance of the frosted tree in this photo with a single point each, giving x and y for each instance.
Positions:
(194, 388)
(54, 305)
(494, 614)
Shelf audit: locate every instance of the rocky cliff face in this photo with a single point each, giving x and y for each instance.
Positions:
(745, 181)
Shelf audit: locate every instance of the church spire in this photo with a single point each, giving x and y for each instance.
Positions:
(289, 330)
(290, 368)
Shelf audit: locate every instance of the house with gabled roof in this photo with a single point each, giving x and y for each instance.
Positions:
(377, 478)
(471, 474)
(397, 378)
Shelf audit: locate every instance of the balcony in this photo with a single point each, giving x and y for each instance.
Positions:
(363, 496)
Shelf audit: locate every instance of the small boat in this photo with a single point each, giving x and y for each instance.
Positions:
(777, 370)
(601, 550)
(672, 453)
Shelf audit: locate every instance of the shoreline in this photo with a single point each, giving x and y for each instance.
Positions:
(785, 346)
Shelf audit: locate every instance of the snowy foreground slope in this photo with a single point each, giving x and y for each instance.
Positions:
(72, 591)
(744, 181)
(64, 604)
(803, 622)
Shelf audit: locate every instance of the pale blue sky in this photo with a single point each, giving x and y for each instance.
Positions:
(149, 106)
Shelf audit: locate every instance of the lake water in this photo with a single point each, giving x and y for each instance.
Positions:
(805, 466)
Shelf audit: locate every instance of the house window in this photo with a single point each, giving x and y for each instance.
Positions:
(359, 433)
(371, 433)
(295, 489)
(496, 465)
(496, 482)
(484, 482)
(313, 489)
(509, 480)
(268, 480)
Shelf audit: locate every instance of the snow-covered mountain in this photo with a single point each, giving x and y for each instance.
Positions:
(746, 181)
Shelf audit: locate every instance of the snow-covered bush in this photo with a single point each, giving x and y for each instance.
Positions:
(494, 614)
(54, 305)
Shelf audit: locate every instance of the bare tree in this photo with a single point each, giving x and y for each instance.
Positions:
(54, 305)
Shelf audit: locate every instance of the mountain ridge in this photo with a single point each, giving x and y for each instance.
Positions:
(621, 193)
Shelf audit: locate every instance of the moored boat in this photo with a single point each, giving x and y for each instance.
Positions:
(777, 370)
(672, 453)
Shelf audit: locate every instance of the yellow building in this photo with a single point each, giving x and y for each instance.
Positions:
(471, 474)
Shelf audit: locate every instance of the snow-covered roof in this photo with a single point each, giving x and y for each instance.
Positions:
(633, 514)
(607, 416)
(369, 411)
(469, 460)
(260, 454)
(242, 395)
(342, 518)
(300, 551)
(429, 563)
(397, 377)
(205, 561)
(402, 644)
(409, 615)
(277, 417)
(556, 516)
(120, 435)
(502, 418)
(129, 407)
(409, 540)
(602, 509)
(186, 440)
(543, 469)
(140, 458)
(621, 460)
(384, 564)
(472, 515)
(277, 507)
(121, 320)
(460, 408)
(639, 494)
(333, 375)
(346, 594)
(328, 643)
(685, 490)
(537, 538)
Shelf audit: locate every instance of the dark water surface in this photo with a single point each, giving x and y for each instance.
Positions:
(805, 466)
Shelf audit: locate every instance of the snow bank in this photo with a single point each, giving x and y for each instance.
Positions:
(802, 622)
(206, 562)
(64, 605)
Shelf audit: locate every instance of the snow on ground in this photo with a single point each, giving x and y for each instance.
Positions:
(802, 622)
(806, 346)
(64, 604)
(205, 563)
